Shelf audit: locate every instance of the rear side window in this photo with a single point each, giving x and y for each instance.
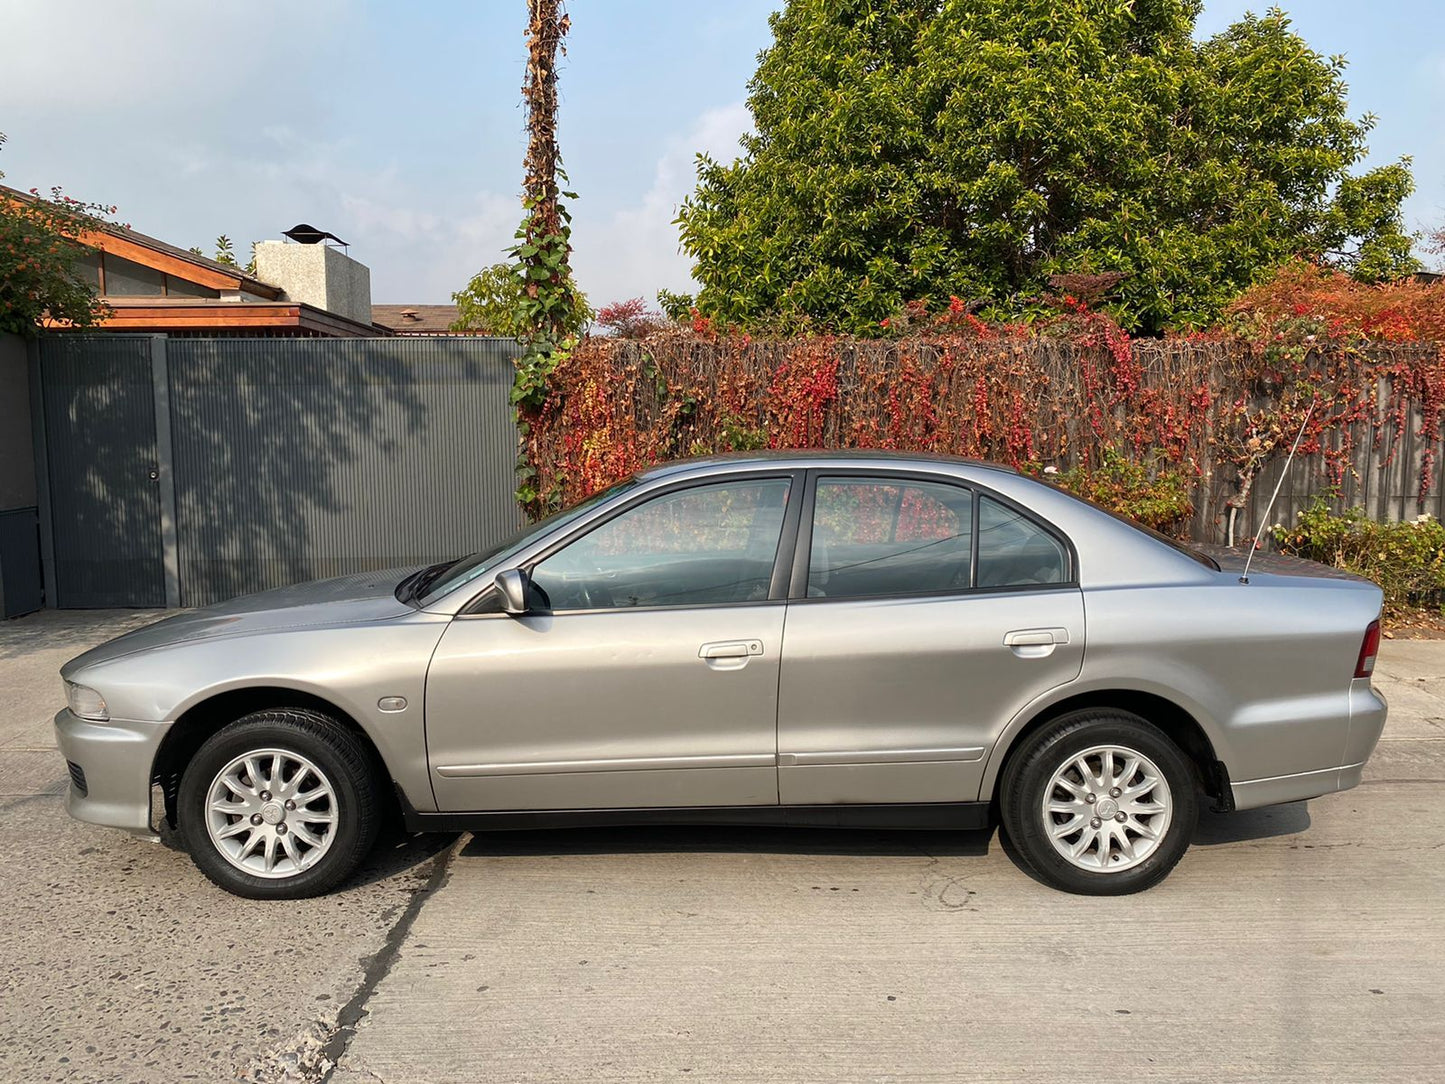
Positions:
(1014, 551)
(889, 537)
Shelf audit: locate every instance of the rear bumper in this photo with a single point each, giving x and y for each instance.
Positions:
(115, 761)
(1254, 793)
(1367, 722)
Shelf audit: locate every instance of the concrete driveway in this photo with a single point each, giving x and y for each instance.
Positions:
(1301, 943)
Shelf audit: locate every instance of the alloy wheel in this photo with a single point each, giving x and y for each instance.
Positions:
(271, 813)
(1107, 808)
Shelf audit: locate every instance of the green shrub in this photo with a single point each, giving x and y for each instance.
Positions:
(1148, 492)
(1406, 559)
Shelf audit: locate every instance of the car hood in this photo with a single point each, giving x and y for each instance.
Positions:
(347, 600)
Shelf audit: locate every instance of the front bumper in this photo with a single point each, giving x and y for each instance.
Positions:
(1367, 722)
(116, 759)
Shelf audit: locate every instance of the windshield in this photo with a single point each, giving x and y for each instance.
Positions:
(451, 575)
(1173, 543)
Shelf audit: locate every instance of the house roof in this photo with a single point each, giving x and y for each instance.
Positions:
(175, 315)
(247, 305)
(248, 283)
(142, 248)
(418, 319)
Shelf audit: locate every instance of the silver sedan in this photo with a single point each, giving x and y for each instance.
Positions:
(804, 639)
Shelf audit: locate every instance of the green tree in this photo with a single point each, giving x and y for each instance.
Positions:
(675, 306)
(917, 149)
(494, 301)
(226, 254)
(39, 254)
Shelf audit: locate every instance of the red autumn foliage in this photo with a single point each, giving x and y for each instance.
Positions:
(1302, 300)
(1068, 391)
(628, 319)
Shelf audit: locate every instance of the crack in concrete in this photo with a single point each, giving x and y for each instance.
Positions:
(354, 1071)
(380, 964)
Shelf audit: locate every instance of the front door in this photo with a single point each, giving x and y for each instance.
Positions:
(647, 677)
(932, 614)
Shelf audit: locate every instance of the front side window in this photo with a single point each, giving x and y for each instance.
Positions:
(889, 537)
(704, 546)
(465, 570)
(1016, 552)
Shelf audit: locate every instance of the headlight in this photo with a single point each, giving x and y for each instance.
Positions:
(86, 703)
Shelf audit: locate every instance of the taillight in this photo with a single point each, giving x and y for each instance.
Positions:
(1368, 650)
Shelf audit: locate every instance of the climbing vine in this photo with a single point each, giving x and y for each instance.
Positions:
(548, 299)
(1166, 429)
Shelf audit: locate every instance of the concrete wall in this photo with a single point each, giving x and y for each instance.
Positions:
(317, 275)
(17, 451)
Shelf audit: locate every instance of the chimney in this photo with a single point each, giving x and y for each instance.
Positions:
(317, 275)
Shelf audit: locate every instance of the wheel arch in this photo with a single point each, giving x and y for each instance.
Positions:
(1170, 717)
(204, 718)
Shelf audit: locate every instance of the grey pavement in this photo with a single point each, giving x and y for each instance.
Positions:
(1303, 942)
(118, 960)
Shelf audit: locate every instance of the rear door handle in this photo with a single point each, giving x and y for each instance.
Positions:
(729, 654)
(1035, 643)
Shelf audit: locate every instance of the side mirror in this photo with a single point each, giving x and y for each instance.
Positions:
(513, 584)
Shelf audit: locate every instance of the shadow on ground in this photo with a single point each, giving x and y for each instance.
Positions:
(396, 853)
(1213, 829)
(1266, 823)
(726, 840)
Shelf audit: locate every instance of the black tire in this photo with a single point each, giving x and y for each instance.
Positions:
(1032, 765)
(337, 751)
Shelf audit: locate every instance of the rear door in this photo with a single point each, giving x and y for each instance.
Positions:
(924, 614)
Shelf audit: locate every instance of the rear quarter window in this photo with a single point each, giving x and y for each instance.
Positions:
(1014, 551)
(1173, 543)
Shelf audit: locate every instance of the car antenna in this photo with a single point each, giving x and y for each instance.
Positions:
(1254, 543)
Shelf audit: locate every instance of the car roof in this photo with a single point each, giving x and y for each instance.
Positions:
(815, 458)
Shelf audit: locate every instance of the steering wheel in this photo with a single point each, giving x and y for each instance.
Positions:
(591, 591)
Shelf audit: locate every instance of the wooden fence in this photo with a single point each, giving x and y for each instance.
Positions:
(619, 405)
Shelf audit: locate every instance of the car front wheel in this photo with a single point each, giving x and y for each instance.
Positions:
(279, 805)
(1099, 802)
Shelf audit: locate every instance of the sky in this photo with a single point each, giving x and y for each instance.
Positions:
(399, 126)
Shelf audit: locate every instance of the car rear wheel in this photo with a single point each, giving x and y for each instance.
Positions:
(279, 805)
(1099, 802)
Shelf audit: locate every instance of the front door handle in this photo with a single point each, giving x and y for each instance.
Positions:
(729, 654)
(1035, 643)
(730, 649)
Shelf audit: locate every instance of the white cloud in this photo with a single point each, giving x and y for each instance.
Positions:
(421, 247)
(205, 118)
(633, 252)
(425, 255)
(421, 242)
(186, 56)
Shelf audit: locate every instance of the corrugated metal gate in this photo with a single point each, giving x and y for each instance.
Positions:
(275, 460)
(99, 416)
